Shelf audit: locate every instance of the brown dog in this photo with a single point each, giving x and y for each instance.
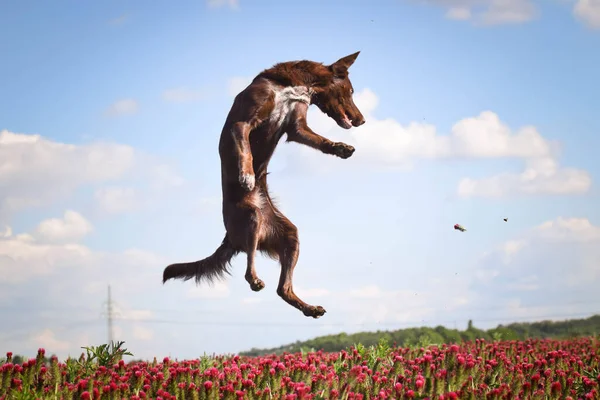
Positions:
(276, 102)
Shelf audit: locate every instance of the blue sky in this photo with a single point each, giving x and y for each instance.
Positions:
(476, 111)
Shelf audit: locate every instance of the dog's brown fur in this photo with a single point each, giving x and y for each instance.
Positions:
(276, 102)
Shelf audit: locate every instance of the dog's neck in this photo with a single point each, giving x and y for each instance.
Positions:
(300, 93)
(299, 76)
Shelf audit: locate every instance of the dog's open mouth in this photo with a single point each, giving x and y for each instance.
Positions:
(346, 122)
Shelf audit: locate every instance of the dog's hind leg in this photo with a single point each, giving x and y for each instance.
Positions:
(245, 229)
(289, 251)
(254, 229)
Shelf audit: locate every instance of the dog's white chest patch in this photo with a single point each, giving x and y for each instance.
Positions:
(285, 101)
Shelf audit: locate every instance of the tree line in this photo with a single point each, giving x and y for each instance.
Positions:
(424, 336)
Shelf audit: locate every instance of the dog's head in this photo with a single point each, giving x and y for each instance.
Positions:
(334, 97)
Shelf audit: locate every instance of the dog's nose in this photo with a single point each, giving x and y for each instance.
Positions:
(358, 122)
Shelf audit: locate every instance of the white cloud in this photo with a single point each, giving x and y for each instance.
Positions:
(141, 333)
(50, 249)
(508, 12)
(36, 171)
(23, 258)
(526, 283)
(208, 204)
(542, 176)
(486, 136)
(33, 169)
(459, 13)
(145, 310)
(72, 227)
(486, 275)
(550, 271)
(483, 136)
(46, 339)
(7, 232)
(33, 152)
(500, 12)
(181, 95)
(387, 143)
(164, 176)
(121, 312)
(369, 291)
(217, 290)
(44, 268)
(116, 199)
(311, 293)
(237, 84)
(511, 248)
(588, 11)
(488, 12)
(250, 300)
(568, 230)
(232, 4)
(142, 257)
(554, 266)
(372, 304)
(123, 107)
(542, 279)
(58, 273)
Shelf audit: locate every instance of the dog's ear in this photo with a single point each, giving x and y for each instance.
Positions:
(340, 67)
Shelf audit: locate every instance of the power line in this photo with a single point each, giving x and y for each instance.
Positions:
(398, 323)
(273, 304)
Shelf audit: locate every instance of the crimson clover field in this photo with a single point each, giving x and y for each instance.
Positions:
(528, 369)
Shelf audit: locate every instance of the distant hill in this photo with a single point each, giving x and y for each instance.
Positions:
(425, 335)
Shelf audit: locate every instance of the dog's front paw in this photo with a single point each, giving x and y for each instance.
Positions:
(247, 181)
(342, 150)
(314, 311)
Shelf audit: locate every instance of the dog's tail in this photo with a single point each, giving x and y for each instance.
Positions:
(211, 268)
